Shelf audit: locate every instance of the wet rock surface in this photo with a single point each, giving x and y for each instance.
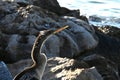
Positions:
(81, 52)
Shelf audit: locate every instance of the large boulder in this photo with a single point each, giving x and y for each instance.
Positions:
(21, 22)
(107, 68)
(92, 67)
(108, 47)
(53, 6)
(61, 68)
(21, 25)
(111, 31)
(109, 42)
(50, 5)
(20, 45)
(69, 69)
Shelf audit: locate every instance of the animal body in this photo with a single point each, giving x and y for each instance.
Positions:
(35, 72)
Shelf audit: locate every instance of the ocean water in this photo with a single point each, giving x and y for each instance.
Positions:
(105, 12)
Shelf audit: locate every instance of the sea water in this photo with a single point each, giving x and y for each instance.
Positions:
(107, 11)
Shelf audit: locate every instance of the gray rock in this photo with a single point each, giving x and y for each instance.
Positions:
(61, 69)
(53, 6)
(95, 18)
(52, 46)
(20, 23)
(107, 68)
(90, 74)
(4, 72)
(69, 69)
(25, 2)
(92, 67)
(29, 20)
(19, 66)
(82, 37)
(19, 47)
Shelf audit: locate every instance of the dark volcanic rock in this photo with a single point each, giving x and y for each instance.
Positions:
(22, 24)
(53, 6)
(4, 72)
(107, 68)
(108, 47)
(92, 67)
(95, 18)
(69, 69)
(61, 68)
(111, 31)
(84, 18)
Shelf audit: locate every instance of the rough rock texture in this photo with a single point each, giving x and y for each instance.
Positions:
(108, 47)
(4, 72)
(69, 69)
(107, 68)
(111, 31)
(53, 5)
(50, 5)
(92, 67)
(62, 69)
(19, 66)
(20, 23)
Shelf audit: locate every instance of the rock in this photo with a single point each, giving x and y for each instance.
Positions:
(107, 47)
(69, 39)
(107, 68)
(69, 69)
(91, 67)
(95, 18)
(90, 74)
(105, 42)
(19, 66)
(61, 68)
(4, 72)
(111, 31)
(19, 47)
(20, 23)
(66, 12)
(84, 36)
(23, 2)
(84, 18)
(28, 20)
(51, 50)
(53, 6)
(6, 7)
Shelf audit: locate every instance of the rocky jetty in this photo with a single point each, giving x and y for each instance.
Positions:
(81, 52)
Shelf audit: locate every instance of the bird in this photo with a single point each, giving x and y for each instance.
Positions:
(36, 70)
